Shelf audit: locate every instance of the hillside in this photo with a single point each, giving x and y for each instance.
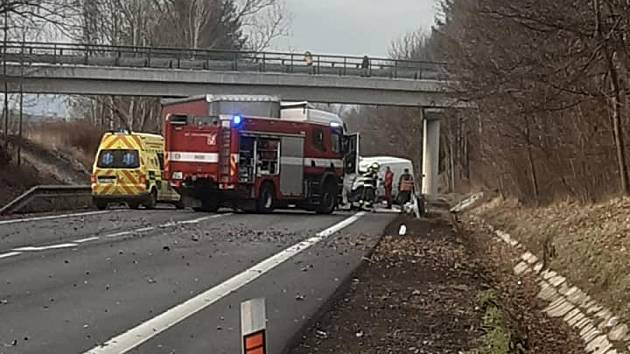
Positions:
(40, 165)
(587, 243)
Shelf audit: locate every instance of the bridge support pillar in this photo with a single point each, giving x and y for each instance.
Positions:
(431, 155)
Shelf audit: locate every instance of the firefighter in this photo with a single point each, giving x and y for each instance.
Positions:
(405, 188)
(387, 184)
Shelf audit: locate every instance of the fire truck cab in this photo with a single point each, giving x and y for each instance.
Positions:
(218, 154)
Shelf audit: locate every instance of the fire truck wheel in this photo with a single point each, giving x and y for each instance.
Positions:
(265, 202)
(328, 199)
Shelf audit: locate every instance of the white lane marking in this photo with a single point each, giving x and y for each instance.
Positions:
(196, 221)
(145, 331)
(76, 243)
(44, 248)
(144, 229)
(162, 226)
(83, 240)
(49, 217)
(118, 234)
(10, 254)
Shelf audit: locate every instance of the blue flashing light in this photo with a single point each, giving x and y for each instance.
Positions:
(237, 120)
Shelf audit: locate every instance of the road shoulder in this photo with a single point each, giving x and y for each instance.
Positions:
(436, 290)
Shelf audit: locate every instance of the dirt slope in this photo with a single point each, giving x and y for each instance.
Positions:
(588, 244)
(39, 166)
(434, 291)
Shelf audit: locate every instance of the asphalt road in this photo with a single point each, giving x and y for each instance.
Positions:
(168, 281)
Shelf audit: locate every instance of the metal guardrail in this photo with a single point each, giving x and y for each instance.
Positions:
(44, 191)
(226, 60)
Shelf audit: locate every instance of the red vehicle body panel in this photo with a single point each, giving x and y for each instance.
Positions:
(198, 149)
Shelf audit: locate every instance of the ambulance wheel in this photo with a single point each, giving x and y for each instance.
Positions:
(100, 204)
(328, 199)
(151, 200)
(266, 199)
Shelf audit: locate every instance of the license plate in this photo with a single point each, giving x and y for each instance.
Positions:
(106, 180)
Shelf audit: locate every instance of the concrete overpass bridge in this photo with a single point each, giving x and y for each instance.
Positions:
(85, 69)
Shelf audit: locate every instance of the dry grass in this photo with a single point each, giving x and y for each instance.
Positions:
(16, 180)
(77, 139)
(591, 242)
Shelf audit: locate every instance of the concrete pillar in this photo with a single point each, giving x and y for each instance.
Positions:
(431, 155)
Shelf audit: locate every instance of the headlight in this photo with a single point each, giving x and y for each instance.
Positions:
(178, 175)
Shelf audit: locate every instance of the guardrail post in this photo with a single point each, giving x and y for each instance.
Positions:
(395, 69)
(87, 53)
(54, 53)
(264, 66)
(291, 66)
(345, 66)
(235, 61)
(318, 63)
(179, 61)
(148, 62)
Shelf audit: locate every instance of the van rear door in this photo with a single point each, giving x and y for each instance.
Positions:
(120, 171)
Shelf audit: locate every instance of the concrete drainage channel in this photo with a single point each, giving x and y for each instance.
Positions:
(600, 329)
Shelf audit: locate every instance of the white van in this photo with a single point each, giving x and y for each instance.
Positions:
(396, 164)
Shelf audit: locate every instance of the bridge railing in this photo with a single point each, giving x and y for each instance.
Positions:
(220, 60)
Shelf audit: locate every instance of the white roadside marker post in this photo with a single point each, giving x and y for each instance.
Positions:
(254, 326)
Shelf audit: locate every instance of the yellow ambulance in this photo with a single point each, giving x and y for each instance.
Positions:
(129, 168)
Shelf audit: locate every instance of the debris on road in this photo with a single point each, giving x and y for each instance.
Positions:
(423, 292)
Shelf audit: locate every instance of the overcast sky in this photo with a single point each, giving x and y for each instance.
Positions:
(356, 27)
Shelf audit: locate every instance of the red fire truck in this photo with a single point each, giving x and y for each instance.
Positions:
(255, 163)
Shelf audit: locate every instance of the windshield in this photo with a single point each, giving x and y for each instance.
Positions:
(118, 159)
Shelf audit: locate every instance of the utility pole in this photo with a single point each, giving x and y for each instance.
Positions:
(4, 76)
(20, 142)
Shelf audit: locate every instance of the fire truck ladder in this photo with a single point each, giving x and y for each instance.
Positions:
(225, 155)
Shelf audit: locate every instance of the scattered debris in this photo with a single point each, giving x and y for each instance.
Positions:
(321, 334)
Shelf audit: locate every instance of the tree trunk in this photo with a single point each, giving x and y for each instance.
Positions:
(615, 101)
(532, 165)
